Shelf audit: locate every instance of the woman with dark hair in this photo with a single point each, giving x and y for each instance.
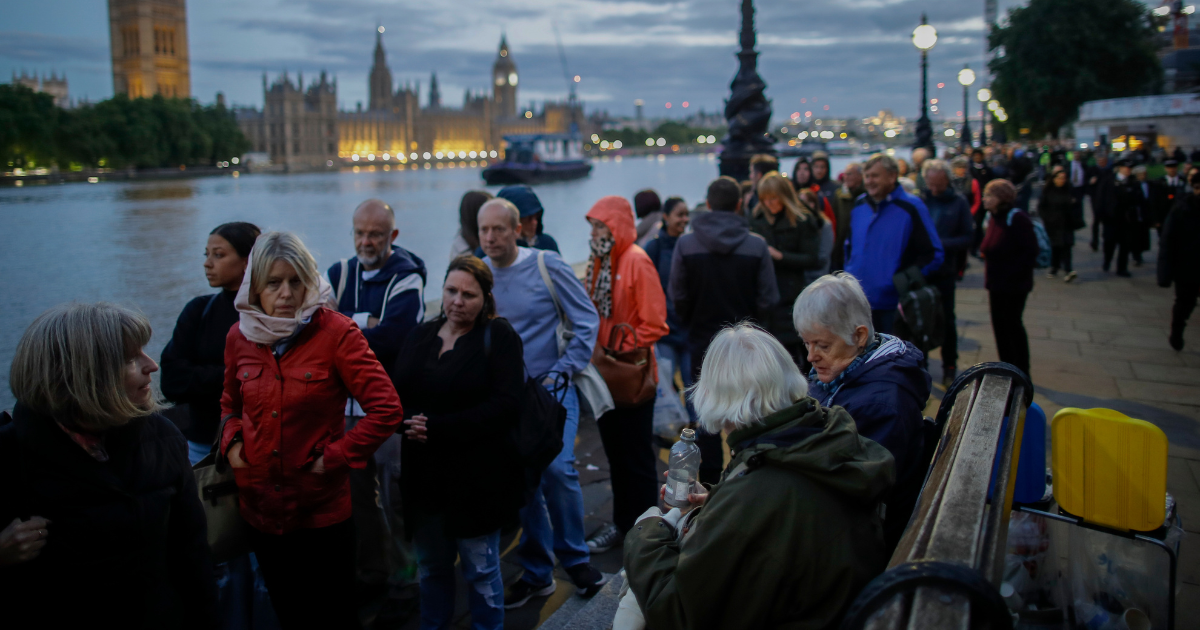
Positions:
(1056, 208)
(467, 237)
(462, 374)
(103, 526)
(649, 210)
(193, 375)
(802, 174)
(1009, 251)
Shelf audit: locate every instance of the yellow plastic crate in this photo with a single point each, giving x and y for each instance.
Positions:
(1109, 469)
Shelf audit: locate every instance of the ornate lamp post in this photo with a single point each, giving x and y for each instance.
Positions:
(747, 110)
(966, 77)
(924, 37)
(984, 95)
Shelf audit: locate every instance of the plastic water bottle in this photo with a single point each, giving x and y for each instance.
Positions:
(683, 468)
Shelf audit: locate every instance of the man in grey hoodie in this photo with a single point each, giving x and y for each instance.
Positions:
(721, 274)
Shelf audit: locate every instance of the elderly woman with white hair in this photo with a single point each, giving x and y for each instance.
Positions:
(791, 533)
(877, 378)
(290, 365)
(102, 524)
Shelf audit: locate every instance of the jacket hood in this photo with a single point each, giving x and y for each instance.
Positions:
(822, 444)
(616, 213)
(896, 362)
(720, 232)
(401, 263)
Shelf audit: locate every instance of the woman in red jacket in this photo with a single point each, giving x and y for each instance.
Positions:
(625, 288)
(290, 364)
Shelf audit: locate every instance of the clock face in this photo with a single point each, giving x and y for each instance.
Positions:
(512, 78)
(499, 80)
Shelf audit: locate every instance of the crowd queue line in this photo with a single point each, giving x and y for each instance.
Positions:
(372, 448)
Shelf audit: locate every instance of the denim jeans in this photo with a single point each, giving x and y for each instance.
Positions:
(480, 569)
(552, 522)
(242, 599)
(680, 359)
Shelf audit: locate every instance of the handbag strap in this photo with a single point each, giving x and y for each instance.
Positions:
(625, 330)
(568, 325)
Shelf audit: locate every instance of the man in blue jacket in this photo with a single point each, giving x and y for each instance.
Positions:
(382, 289)
(890, 230)
(952, 216)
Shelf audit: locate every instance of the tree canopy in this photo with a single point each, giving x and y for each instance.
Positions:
(119, 132)
(1055, 55)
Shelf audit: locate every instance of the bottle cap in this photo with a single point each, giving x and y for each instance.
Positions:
(687, 434)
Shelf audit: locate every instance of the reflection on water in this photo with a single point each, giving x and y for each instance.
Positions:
(142, 244)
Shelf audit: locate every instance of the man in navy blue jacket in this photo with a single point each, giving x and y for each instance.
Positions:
(951, 216)
(382, 289)
(890, 230)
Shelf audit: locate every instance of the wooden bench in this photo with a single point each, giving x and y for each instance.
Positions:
(947, 569)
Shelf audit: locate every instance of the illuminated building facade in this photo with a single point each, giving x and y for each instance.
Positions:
(149, 44)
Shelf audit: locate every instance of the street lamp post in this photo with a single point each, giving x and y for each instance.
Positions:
(924, 37)
(966, 77)
(984, 95)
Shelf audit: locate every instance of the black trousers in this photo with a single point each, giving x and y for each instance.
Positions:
(946, 286)
(1012, 343)
(1060, 258)
(309, 575)
(1185, 303)
(712, 453)
(1117, 246)
(627, 435)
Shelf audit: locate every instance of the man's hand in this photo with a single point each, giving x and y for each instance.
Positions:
(22, 541)
(417, 429)
(372, 321)
(234, 455)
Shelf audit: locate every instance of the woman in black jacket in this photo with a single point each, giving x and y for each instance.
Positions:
(87, 458)
(793, 235)
(1056, 208)
(193, 363)
(461, 375)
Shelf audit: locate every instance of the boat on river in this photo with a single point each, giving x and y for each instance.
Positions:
(541, 157)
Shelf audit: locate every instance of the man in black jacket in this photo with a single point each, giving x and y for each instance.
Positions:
(1179, 259)
(1104, 197)
(952, 217)
(721, 274)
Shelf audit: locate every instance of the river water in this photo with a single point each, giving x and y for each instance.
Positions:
(142, 244)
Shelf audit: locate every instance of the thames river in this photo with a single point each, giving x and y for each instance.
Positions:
(142, 244)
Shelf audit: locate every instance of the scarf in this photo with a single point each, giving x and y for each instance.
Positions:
(262, 328)
(601, 262)
(883, 345)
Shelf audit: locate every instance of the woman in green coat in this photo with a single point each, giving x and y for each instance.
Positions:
(793, 235)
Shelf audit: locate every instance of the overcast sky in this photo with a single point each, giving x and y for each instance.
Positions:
(854, 56)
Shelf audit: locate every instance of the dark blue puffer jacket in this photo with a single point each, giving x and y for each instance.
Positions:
(885, 392)
(395, 295)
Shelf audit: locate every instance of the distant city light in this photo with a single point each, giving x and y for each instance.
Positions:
(711, 139)
(649, 142)
(577, 78)
(234, 160)
(933, 108)
(439, 155)
(843, 135)
(1188, 10)
(492, 153)
(808, 114)
(890, 133)
(616, 144)
(426, 156)
(473, 154)
(701, 140)
(604, 144)
(795, 114)
(387, 156)
(1160, 11)
(783, 130)
(933, 101)
(826, 108)
(595, 138)
(803, 100)
(992, 105)
(941, 85)
(380, 29)
(685, 103)
(668, 106)
(529, 114)
(413, 156)
(662, 142)
(949, 133)
(984, 95)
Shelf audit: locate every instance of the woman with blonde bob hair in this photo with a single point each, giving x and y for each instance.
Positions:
(794, 240)
(729, 563)
(290, 364)
(97, 497)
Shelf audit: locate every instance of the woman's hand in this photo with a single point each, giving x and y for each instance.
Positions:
(22, 541)
(775, 253)
(318, 466)
(696, 498)
(417, 429)
(234, 455)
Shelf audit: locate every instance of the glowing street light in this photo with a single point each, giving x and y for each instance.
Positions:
(966, 77)
(984, 95)
(924, 37)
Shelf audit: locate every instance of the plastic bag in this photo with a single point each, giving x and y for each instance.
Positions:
(1031, 566)
(670, 416)
(1108, 576)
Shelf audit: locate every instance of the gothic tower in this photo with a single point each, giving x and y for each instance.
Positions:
(381, 77)
(435, 96)
(149, 46)
(504, 78)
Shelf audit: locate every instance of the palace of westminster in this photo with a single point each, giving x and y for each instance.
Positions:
(300, 126)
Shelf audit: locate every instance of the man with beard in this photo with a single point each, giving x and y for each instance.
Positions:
(381, 288)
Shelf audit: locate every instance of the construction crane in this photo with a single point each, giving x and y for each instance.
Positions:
(572, 99)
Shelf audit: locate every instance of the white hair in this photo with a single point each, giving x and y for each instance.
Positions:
(935, 165)
(747, 375)
(835, 302)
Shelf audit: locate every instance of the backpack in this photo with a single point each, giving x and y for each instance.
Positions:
(538, 435)
(1043, 240)
(921, 320)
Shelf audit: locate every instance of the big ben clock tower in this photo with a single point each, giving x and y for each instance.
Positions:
(504, 80)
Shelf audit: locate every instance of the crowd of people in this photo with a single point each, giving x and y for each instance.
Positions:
(372, 445)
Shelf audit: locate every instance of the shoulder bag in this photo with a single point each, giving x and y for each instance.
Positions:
(219, 496)
(593, 391)
(627, 373)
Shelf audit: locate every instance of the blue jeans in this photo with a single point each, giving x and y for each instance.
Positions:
(681, 359)
(242, 599)
(552, 522)
(480, 569)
